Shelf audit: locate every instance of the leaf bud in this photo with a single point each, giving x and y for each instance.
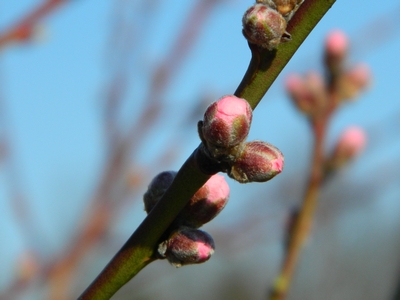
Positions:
(187, 246)
(354, 81)
(258, 162)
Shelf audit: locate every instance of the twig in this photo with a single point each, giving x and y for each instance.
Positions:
(138, 251)
(24, 28)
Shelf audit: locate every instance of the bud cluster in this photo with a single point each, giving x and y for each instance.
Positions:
(185, 244)
(318, 96)
(265, 22)
(312, 92)
(223, 132)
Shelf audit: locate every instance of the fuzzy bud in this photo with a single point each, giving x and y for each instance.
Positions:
(226, 125)
(206, 204)
(336, 47)
(187, 246)
(157, 188)
(258, 162)
(264, 26)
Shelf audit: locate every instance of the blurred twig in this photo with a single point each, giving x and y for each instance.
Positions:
(22, 30)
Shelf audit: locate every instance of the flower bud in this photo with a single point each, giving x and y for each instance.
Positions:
(157, 188)
(187, 246)
(206, 204)
(336, 46)
(350, 144)
(264, 26)
(354, 81)
(226, 125)
(308, 94)
(258, 162)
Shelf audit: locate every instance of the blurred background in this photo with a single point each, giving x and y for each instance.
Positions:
(97, 97)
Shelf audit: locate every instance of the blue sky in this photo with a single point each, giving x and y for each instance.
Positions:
(53, 90)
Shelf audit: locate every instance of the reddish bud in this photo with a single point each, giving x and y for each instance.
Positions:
(226, 125)
(187, 246)
(206, 204)
(258, 162)
(264, 26)
(336, 46)
(157, 188)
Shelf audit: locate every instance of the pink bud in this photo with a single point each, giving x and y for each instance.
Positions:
(226, 125)
(360, 75)
(336, 46)
(258, 162)
(308, 94)
(264, 26)
(187, 246)
(157, 188)
(351, 142)
(336, 43)
(206, 204)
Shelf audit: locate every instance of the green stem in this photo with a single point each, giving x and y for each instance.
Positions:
(138, 251)
(140, 248)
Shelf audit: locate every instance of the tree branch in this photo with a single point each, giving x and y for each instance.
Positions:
(140, 248)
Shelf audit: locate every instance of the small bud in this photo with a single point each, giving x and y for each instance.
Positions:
(258, 162)
(336, 46)
(264, 26)
(286, 8)
(308, 94)
(354, 81)
(226, 125)
(350, 144)
(206, 204)
(187, 246)
(157, 188)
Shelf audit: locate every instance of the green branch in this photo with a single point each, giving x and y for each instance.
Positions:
(140, 249)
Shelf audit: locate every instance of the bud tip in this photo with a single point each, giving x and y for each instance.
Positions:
(336, 43)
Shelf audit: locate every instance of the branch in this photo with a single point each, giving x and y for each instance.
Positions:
(139, 250)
